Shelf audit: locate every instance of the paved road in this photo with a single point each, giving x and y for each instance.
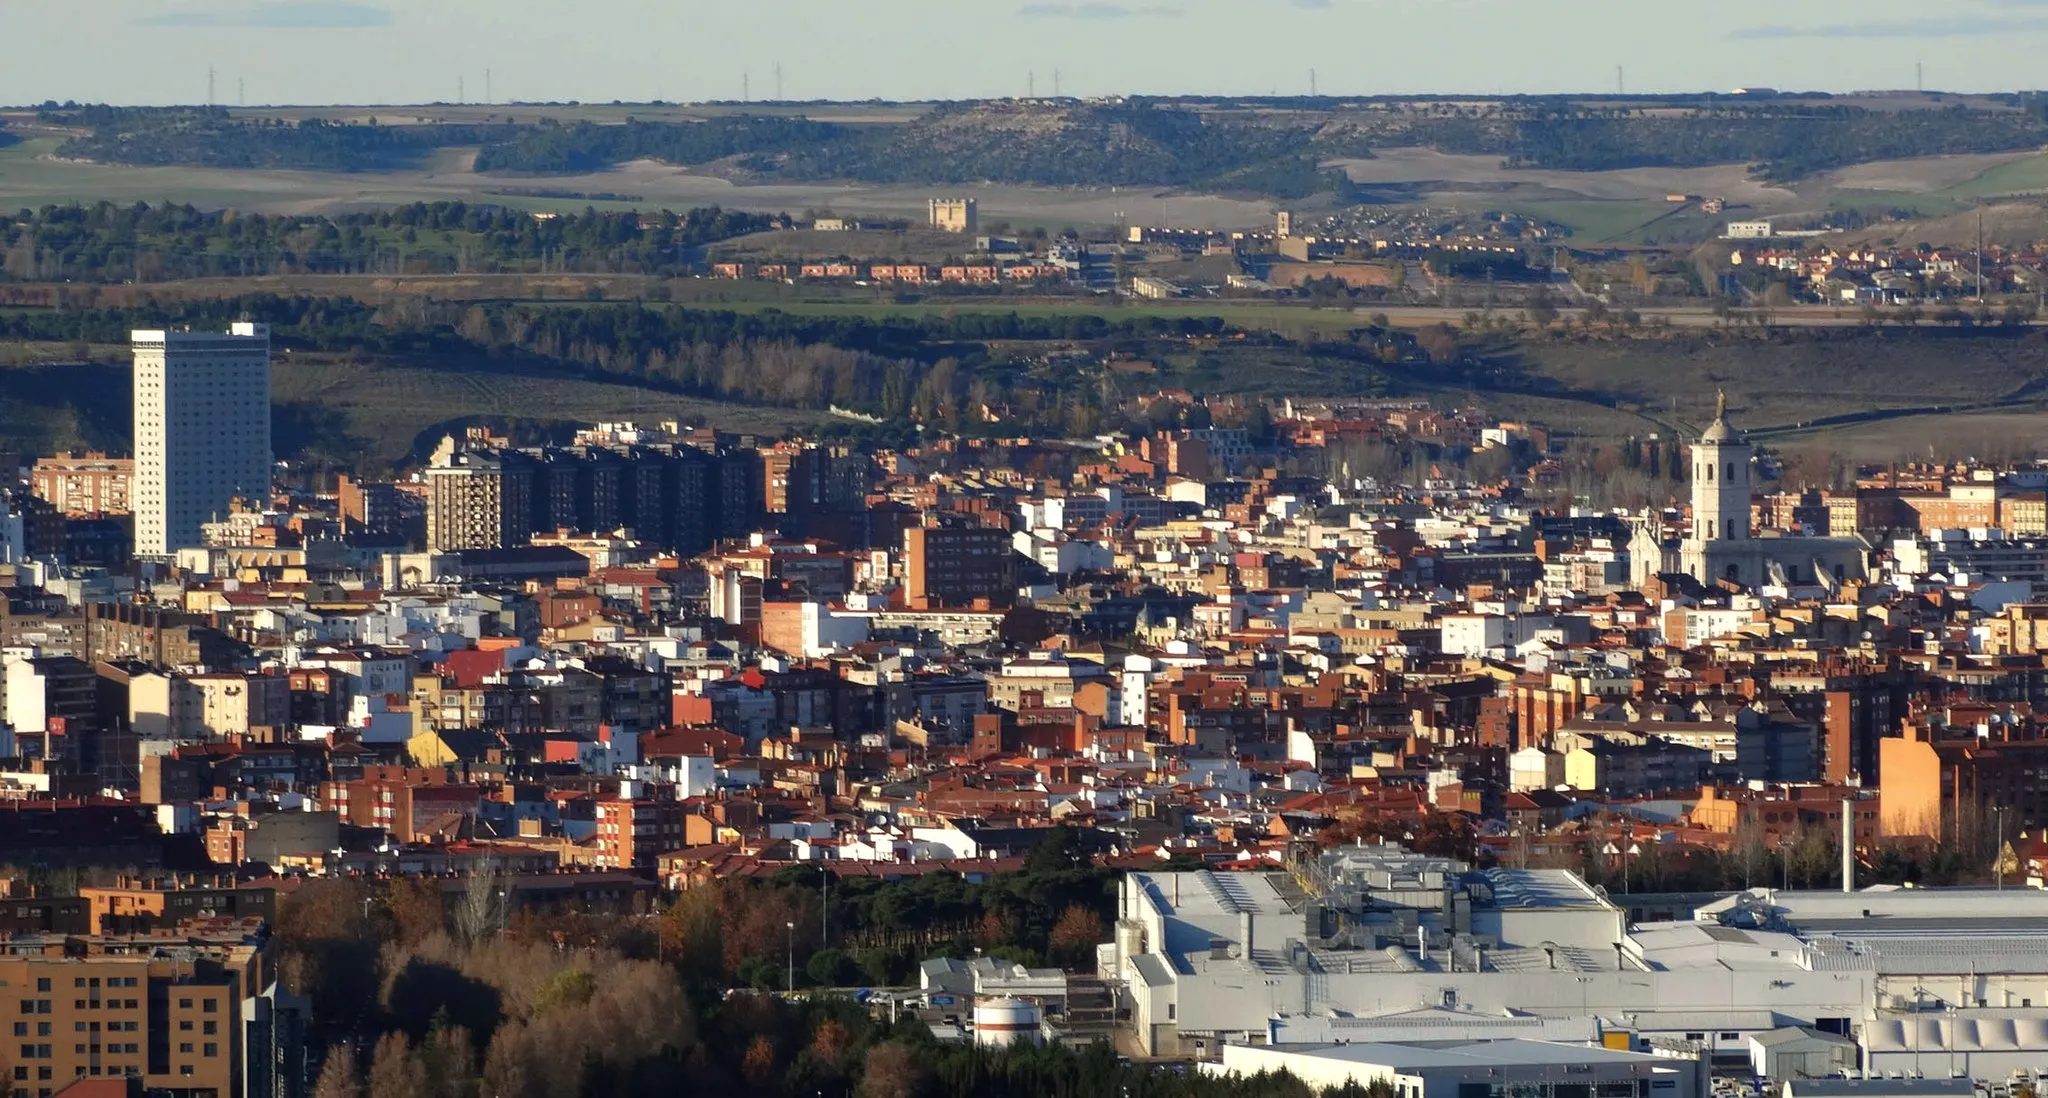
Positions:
(1688, 316)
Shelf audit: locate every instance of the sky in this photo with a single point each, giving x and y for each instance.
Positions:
(408, 51)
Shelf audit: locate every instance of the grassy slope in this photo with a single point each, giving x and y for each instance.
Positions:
(1788, 380)
(377, 412)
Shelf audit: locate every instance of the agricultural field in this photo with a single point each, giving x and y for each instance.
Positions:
(30, 177)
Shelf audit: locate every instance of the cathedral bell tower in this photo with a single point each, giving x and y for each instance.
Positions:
(1720, 481)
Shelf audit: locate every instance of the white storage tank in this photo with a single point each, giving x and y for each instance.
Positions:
(1006, 1021)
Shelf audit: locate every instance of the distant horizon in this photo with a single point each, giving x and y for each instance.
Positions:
(1758, 93)
(387, 53)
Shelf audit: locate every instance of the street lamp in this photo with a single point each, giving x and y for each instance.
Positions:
(790, 987)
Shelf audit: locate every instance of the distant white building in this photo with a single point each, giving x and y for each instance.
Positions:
(1749, 230)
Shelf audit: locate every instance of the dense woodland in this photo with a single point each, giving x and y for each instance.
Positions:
(209, 137)
(424, 997)
(144, 243)
(1271, 148)
(1779, 143)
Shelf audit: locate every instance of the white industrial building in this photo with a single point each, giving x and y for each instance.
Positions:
(202, 430)
(1209, 959)
(1475, 1069)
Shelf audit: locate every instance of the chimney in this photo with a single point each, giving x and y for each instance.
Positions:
(1244, 933)
(1848, 844)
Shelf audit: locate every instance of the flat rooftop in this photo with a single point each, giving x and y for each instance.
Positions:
(1199, 893)
(1509, 1052)
(1819, 909)
(1543, 888)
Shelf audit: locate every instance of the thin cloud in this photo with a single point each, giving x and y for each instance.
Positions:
(1964, 27)
(1098, 10)
(276, 15)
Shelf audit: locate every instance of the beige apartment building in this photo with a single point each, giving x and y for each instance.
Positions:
(83, 485)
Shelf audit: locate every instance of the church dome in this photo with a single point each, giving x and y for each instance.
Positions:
(1719, 431)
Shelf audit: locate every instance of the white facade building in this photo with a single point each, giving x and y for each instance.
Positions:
(202, 430)
(1207, 960)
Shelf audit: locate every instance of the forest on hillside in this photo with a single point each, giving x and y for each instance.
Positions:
(144, 243)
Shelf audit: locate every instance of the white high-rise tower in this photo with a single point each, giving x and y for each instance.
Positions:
(202, 430)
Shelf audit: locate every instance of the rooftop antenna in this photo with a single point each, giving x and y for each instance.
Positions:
(209, 85)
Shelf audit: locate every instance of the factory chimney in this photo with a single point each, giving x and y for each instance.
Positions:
(1848, 844)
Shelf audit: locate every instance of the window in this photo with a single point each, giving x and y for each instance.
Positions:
(185, 1026)
(210, 1028)
(185, 1047)
(1730, 1036)
(43, 983)
(184, 1004)
(210, 1005)
(184, 1069)
(209, 1049)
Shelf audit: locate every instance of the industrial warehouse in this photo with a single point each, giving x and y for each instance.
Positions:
(1371, 963)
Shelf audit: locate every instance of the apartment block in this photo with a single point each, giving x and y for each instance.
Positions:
(172, 1012)
(81, 486)
(958, 566)
(202, 430)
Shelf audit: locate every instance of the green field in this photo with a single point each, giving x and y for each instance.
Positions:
(1878, 202)
(2013, 177)
(1592, 221)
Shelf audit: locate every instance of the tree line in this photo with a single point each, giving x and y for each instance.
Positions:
(147, 243)
(415, 996)
(944, 371)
